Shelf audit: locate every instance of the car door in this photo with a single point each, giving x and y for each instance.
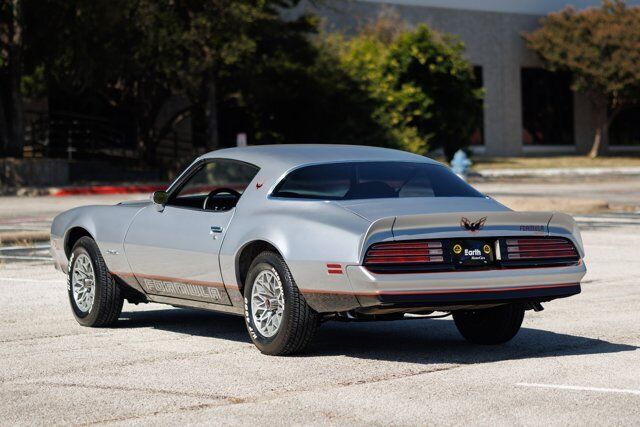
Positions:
(173, 249)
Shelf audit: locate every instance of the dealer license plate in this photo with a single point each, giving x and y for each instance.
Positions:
(472, 252)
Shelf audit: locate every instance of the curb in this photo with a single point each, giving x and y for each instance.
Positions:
(105, 190)
(82, 190)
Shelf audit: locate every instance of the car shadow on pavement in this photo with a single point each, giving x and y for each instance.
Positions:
(422, 341)
(438, 341)
(188, 321)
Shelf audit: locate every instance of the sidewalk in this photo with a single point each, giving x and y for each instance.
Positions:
(553, 172)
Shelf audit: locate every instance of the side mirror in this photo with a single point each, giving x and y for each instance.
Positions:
(160, 198)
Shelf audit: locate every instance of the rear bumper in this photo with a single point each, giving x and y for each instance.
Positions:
(465, 287)
(479, 297)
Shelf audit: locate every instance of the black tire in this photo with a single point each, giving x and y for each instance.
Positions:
(108, 297)
(299, 322)
(495, 325)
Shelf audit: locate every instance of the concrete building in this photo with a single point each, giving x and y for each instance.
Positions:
(527, 110)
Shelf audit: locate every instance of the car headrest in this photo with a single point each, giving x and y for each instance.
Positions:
(371, 190)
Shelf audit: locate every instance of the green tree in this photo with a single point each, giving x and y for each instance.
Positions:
(296, 91)
(445, 105)
(364, 58)
(95, 57)
(427, 88)
(601, 48)
(241, 67)
(11, 52)
(133, 55)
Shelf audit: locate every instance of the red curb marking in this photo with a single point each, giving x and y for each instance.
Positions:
(108, 189)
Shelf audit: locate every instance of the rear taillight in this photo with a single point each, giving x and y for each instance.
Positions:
(439, 255)
(531, 249)
(404, 253)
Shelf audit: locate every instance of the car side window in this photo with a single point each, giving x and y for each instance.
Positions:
(217, 184)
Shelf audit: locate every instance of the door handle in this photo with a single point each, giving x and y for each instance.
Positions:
(215, 229)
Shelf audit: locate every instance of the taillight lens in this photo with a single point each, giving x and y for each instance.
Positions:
(404, 253)
(538, 248)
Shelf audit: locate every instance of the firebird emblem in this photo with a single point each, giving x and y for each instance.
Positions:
(472, 226)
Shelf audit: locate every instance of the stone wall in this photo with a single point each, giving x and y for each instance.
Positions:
(16, 173)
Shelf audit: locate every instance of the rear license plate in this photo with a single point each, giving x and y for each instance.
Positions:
(472, 252)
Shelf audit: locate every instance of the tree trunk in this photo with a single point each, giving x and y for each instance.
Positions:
(4, 139)
(602, 132)
(16, 113)
(601, 139)
(211, 114)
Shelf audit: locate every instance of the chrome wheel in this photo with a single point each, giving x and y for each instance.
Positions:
(83, 280)
(267, 302)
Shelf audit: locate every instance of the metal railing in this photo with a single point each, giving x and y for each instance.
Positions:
(75, 137)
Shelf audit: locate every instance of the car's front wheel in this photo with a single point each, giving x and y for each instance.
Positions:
(495, 325)
(277, 316)
(96, 300)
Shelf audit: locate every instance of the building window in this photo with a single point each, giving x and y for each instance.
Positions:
(547, 107)
(625, 129)
(477, 137)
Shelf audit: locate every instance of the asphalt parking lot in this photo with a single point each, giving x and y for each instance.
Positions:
(577, 362)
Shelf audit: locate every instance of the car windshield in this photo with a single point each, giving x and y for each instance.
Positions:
(373, 180)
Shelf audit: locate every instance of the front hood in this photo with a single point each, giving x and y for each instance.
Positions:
(375, 209)
(139, 203)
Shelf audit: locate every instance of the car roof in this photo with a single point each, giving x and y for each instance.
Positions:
(288, 156)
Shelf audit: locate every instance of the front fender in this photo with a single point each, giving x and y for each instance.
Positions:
(107, 225)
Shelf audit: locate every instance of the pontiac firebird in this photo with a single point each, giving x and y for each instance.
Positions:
(290, 236)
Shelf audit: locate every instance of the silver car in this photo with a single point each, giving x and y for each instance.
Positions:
(289, 236)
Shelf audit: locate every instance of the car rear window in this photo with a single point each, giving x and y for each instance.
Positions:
(373, 180)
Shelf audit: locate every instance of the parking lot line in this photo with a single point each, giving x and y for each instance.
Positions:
(581, 388)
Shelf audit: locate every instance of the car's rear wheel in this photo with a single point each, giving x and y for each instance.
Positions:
(96, 300)
(277, 316)
(495, 325)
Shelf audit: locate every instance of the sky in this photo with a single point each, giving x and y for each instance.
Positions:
(533, 7)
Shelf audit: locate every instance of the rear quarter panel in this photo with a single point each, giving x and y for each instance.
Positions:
(309, 234)
(564, 225)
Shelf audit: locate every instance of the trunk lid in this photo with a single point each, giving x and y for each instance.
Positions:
(444, 218)
(375, 209)
(471, 224)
